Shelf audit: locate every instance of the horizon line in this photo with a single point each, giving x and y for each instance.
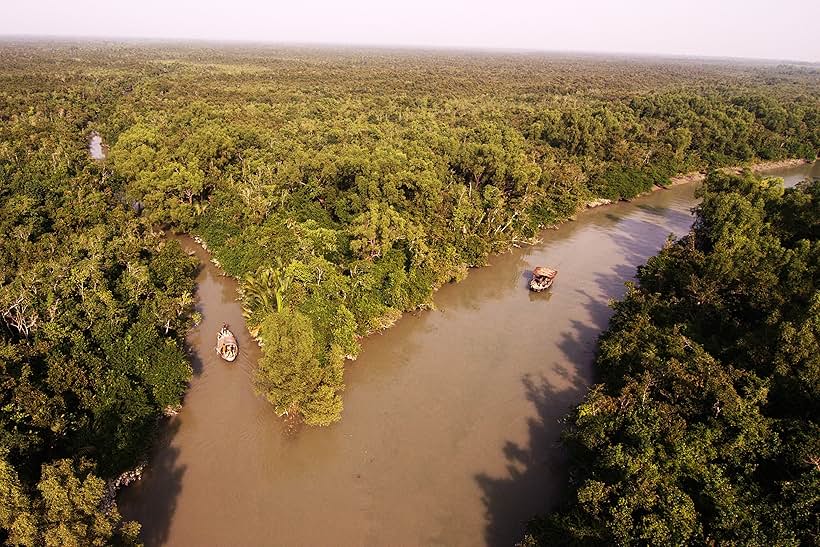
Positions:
(388, 46)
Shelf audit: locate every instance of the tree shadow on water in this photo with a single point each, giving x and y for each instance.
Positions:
(152, 500)
(194, 359)
(672, 216)
(536, 473)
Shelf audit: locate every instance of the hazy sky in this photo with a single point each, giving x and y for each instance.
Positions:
(782, 29)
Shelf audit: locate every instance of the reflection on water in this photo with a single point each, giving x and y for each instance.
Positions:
(452, 417)
(793, 175)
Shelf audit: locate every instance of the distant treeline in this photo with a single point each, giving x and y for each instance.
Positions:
(705, 428)
(340, 188)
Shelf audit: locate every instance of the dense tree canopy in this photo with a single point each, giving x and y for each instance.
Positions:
(341, 189)
(364, 180)
(704, 429)
(92, 306)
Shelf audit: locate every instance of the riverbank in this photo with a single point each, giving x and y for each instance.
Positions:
(686, 178)
(477, 389)
(757, 167)
(672, 331)
(205, 254)
(197, 246)
(700, 176)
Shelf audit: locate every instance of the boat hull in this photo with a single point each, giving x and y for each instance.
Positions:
(538, 286)
(226, 345)
(542, 278)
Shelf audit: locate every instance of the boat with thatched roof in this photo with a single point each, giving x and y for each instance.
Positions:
(226, 345)
(542, 278)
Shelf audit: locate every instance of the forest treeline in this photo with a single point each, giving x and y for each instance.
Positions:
(340, 188)
(93, 304)
(705, 427)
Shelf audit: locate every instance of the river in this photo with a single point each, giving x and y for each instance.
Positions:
(452, 417)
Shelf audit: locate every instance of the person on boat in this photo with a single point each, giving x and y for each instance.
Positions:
(226, 345)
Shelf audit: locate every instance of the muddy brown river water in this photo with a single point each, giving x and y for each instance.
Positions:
(452, 417)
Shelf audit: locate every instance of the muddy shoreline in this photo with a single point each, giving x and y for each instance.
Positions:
(758, 167)
(452, 419)
(700, 176)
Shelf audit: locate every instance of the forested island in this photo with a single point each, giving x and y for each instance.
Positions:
(342, 188)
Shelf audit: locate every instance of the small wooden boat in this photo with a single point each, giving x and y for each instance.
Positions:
(226, 345)
(542, 278)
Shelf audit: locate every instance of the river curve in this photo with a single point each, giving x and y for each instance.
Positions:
(452, 417)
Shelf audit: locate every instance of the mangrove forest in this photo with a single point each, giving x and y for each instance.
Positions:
(341, 188)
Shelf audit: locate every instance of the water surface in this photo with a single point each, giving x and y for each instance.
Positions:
(451, 421)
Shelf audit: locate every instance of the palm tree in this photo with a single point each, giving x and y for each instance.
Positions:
(266, 286)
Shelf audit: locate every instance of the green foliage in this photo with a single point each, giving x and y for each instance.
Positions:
(342, 193)
(291, 374)
(93, 305)
(705, 428)
(626, 182)
(264, 292)
(376, 230)
(65, 508)
(16, 517)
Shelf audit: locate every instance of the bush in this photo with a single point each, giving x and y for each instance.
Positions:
(291, 374)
